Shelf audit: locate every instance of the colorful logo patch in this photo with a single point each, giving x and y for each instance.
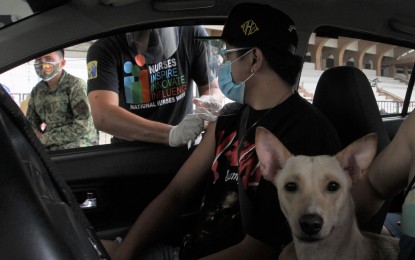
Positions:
(137, 88)
(92, 69)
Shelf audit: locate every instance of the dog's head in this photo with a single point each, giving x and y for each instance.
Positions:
(314, 191)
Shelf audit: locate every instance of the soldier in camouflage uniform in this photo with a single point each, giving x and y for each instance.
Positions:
(58, 108)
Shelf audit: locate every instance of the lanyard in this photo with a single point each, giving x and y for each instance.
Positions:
(244, 202)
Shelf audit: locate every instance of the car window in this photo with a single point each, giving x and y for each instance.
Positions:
(21, 80)
(387, 66)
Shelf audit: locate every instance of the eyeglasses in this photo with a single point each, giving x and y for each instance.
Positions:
(224, 52)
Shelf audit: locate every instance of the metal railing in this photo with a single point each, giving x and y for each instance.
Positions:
(393, 107)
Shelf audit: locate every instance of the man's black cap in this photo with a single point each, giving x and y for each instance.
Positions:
(255, 25)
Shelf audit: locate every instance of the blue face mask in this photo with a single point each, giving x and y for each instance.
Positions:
(231, 90)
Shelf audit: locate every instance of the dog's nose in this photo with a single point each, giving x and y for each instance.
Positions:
(311, 224)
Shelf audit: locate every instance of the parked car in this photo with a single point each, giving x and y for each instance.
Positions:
(58, 205)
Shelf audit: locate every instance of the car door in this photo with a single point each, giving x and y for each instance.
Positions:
(115, 182)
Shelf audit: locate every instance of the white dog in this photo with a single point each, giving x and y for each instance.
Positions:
(314, 194)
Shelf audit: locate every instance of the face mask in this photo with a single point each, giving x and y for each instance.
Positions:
(231, 90)
(155, 45)
(47, 70)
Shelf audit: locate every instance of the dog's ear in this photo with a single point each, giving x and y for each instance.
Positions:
(357, 156)
(272, 154)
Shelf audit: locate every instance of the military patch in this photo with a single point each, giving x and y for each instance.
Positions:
(92, 69)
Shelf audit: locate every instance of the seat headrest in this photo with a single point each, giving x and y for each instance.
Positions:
(345, 96)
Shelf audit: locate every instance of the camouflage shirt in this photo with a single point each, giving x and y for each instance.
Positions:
(65, 112)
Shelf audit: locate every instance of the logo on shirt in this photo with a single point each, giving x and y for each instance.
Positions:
(150, 85)
(137, 87)
(244, 163)
(92, 69)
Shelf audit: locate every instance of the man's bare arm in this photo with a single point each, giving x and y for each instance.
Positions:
(389, 172)
(163, 211)
(248, 248)
(110, 118)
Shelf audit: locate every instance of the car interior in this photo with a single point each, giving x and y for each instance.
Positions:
(58, 205)
(31, 185)
(352, 122)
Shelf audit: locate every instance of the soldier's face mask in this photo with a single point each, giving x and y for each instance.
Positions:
(154, 45)
(47, 70)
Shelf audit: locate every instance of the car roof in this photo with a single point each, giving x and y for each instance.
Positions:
(79, 20)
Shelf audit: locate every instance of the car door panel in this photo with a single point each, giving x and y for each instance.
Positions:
(123, 178)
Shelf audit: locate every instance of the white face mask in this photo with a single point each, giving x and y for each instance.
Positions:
(231, 90)
(47, 70)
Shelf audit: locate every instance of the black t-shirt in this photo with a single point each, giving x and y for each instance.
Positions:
(301, 128)
(159, 91)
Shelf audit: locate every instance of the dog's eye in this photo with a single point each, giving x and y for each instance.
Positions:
(291, 186)
(333, 186)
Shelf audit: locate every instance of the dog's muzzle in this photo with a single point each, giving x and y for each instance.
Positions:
(311, 225)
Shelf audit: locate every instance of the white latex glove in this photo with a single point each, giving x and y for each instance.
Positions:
(208, 102)
(188, 129)
(205, 114)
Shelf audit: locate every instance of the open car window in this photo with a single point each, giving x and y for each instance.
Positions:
(21, 80)
(388, 67)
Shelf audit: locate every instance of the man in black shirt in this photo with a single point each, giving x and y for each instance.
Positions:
(139, 84)
(240, 217)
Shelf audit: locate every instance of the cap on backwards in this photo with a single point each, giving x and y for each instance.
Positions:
(253, 24)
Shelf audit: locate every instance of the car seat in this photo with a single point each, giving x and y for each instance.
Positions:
(345, 96)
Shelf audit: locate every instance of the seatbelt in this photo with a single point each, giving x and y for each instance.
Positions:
(245, 205)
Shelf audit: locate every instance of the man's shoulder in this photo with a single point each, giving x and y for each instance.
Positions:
(72, 79)
(39, 87)
(108, 46)
(71, 84)
(194, 31)
(111, 40)
(231, 109)
(306, 111)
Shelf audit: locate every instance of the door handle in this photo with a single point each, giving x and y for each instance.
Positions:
(90, 201)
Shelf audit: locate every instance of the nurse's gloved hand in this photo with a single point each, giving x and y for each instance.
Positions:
(188, 129)
(208, 102)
